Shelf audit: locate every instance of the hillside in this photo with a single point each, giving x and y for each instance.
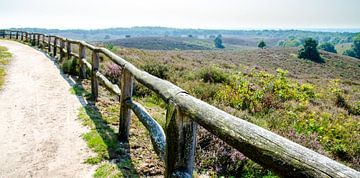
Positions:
(314, 104)
(159, 43)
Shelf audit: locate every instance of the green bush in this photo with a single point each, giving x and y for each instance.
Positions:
(329, 47)
(70, 66)
(213, 74)
(309, 51)
(262, 44)
(161, 71)
(261, 91)
(141, 90)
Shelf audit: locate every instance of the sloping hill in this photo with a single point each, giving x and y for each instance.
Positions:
(157, 43)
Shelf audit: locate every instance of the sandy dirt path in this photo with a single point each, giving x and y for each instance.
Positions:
(39, 133)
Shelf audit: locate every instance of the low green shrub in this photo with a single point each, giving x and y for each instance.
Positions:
(70, 66)
(158, 70)
(261, 91)
(213, 74)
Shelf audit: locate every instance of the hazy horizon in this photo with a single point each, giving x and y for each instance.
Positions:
(185, 14)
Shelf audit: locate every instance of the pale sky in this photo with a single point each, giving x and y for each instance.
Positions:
(215, 14)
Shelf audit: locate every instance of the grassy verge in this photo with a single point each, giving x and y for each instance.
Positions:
(115, 159)
(4, 60)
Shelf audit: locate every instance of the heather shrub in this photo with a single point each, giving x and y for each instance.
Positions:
(141, 90)
(213, 74)
(158, 70)
(112, 72)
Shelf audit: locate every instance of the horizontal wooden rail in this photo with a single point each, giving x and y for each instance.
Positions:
(157, 134)
(184, 112)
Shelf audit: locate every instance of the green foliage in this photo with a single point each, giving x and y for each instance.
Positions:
(218, 42)
(158, 70)
(110, 47)
(355, 48)
(4, 60)
(292, 42)
(70, 66)
(213, 74)
(263, 91)
(349, 52)
(108, 170)
(329, 47)
(262, 44)
(309, 51)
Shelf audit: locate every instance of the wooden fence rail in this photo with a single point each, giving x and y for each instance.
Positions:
(176, 145)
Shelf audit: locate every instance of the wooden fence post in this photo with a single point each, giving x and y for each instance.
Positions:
(38, 40)
(68, 49)
(43, 42)
(32, 37)
(62, 48)
(17, 35)
(55, 47)
(82, 55)
(180, 147)
(49, 44)
(10, 35)
(4, 31)
(125, 111)
(95, 68)
(26, 36)
(22, 36)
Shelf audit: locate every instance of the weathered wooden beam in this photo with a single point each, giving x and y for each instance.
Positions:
(180, 143)
(17, 35)
(82, 55)
(125, 111)
(10, 34)
(87, 64)
(76, 56)
(107, 84)
(94, 81)
(156, 132)
(270, 150)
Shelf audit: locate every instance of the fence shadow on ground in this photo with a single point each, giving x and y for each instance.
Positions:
(118, 152)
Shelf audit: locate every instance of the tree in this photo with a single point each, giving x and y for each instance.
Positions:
(218, 42)
(107, 37)
(309, 51)
(329, 47)
(355, 48)
(262, 44)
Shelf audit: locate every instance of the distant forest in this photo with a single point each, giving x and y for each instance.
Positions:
(284, 37)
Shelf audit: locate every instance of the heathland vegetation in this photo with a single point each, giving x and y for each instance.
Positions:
(307, 95)
(314, 104)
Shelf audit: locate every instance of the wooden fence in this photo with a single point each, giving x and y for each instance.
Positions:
(176, 146)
